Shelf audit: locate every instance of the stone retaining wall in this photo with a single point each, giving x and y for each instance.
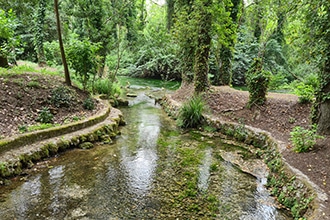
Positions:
(20, 152)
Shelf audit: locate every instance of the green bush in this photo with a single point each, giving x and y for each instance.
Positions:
(304, 139)
(62, 96)
(45, 116)
(191, 113)
(52, 53)
(277, 81)
(105, 86)
(82, 59)
(304, 92)
(89, 104)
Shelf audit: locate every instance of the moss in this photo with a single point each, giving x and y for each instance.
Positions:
(36, 156)
(52, 148)
(25, 160)
(86, 145)
(98, 133)
(83, 138)
(108, 128)
(4, 171)
(106, 139)
(75, 142)
(92, 137)
(63, 145)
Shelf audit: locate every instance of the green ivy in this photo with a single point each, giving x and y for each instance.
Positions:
(258, 81)
(304, 139)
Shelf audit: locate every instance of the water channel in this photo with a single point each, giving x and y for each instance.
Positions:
(151, 171)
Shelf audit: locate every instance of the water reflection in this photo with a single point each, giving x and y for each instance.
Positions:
(204, 170)
(55, 180)
(141, 162)
(20, 203)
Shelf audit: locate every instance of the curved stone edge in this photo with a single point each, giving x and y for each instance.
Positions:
(25, 158)
(271, 153)
(32, 137)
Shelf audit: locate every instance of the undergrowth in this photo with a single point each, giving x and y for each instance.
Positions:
(191, 113)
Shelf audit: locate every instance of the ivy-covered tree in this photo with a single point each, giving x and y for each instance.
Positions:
(318, 15)
(169, 14)
(258, 81)
(224, 48)
(196, 24)
(184, 32)
(39, 32)
(201, 68)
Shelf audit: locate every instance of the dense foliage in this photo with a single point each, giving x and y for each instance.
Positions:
(199, 41)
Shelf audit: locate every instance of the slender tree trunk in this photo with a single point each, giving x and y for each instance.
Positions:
(39, 37)
(322, 101)
(66, 69)
(169, 14)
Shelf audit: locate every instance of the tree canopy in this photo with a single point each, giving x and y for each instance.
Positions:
(198, 41)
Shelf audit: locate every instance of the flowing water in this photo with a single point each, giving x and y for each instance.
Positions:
(139, 178)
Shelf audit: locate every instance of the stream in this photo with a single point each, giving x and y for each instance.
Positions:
(151, 171)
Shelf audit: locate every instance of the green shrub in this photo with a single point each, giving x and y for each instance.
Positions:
(304, 139)
(277, 81)
(304, 92)
(23, 128)
(45, 116)
(105, 86)
(81, 56)
(191, 113)
(62, 96)
(52, 53)
(89, 104)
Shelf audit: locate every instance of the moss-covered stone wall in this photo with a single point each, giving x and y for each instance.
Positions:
(295, 193)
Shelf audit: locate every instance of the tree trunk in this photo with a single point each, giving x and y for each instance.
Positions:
(39, 35)
(66, 69)
(201, 68)
(323, 100)
(3, 62)
(225, 68)
(324, 118)
(169, 14)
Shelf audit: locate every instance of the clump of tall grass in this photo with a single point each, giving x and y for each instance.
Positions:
(191, 113)
(107, 87)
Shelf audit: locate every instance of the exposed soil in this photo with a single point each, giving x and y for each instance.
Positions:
(23, 96)
(280, 114)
